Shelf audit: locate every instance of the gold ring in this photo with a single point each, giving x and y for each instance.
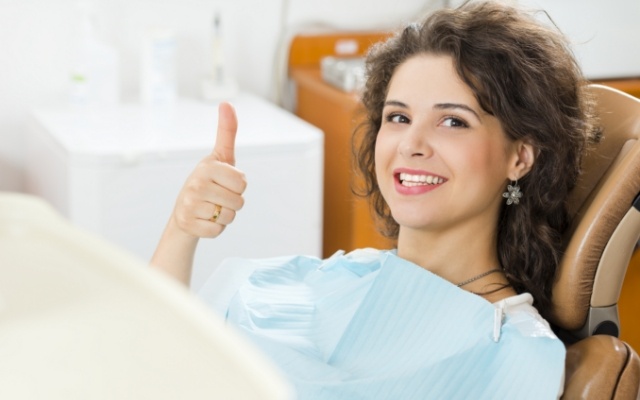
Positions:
(216, 213)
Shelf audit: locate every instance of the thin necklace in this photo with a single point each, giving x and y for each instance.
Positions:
(475, 278)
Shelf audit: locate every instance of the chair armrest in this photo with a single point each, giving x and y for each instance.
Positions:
(602, 367)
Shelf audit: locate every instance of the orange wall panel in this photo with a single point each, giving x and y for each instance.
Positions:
(629, 304)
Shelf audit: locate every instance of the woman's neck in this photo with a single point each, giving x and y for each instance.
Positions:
(455, 255)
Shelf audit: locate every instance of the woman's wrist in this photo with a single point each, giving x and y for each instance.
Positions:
(175, 252)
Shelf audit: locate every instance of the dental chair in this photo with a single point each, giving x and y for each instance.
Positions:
(605, 207)
(82, 319)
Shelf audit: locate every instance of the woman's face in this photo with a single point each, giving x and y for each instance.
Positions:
(441, 161)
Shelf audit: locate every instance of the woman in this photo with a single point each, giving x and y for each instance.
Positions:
(476, 120)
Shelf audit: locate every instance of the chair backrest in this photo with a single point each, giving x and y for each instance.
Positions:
(605, 207)
(82, 319)
(606, 222)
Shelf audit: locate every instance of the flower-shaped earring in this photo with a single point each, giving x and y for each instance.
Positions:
(513, 193)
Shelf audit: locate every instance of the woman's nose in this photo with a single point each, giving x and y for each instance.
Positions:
(415, 144)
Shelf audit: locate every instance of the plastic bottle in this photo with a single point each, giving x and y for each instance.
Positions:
(94, 77)
(158, 76)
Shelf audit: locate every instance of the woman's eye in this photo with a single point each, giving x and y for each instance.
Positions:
(454, 122)
(398, 119)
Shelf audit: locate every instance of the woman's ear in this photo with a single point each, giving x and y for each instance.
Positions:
(522, 161)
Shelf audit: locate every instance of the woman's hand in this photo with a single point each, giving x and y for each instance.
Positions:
(212, 194)
(207, 203)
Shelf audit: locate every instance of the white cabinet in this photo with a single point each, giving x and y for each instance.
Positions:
(117, 171)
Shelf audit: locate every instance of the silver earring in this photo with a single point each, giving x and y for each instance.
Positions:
(513, 193)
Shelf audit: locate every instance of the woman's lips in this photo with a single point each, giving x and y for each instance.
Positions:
(416, 182)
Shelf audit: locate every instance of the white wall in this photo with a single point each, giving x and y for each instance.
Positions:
(605, 34)
(37, 39)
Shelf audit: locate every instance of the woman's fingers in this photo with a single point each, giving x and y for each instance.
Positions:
(206, 229)
(215, 213)
(223, 174)
(197, 218)
(212, 184)
(203, 189)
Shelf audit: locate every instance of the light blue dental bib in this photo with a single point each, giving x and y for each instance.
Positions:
(370, 325)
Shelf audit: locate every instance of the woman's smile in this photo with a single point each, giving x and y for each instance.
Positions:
(412, 182)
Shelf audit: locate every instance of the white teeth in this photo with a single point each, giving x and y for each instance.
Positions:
(416, 180)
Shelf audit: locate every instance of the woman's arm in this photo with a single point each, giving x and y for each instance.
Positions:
(214, 187)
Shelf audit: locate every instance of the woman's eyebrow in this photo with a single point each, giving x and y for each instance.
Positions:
(439, 106)
(395, 103)
(448, 106)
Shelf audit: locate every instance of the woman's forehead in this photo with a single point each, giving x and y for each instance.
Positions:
(429, 79)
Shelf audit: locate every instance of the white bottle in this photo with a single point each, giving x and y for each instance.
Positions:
(94, 77)
(158, 75)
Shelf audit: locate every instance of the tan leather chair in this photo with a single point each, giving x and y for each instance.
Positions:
(606, 227)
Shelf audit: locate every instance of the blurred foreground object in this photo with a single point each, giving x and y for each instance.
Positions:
(80, 318)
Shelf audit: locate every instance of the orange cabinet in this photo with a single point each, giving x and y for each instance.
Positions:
(629, 304)
(348, 222)
(631, 85)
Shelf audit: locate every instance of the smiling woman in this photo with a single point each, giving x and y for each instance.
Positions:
(468, 105)
(505, 88)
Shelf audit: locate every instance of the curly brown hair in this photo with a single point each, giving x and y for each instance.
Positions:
(523, 73)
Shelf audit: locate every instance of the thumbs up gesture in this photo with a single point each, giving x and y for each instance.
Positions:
(212, 194)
